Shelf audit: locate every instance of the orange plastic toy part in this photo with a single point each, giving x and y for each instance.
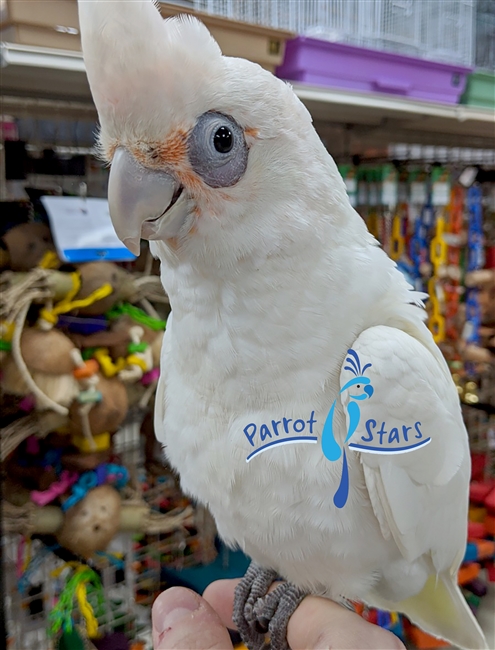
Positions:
(422, 640)
(359, 607)
(468, 572)
(490, 525)
(89, 369)
(486, 549)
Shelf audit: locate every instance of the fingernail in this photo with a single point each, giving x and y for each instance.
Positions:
(172, 606)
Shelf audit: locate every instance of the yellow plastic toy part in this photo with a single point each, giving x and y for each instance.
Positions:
(134, 360)
(68, 304)
(49, 261)
(6, 330)
(373, 224)
(108, 367)
(436, 322)
(27, 557)
(397, 239)
(101, 442)
(437, 327)
(438, 246)
(72, 564)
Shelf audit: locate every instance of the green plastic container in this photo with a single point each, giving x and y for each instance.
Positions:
(480, 90)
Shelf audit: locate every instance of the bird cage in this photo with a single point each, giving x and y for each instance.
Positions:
(126, 578)
(439, 31)
(485, 35)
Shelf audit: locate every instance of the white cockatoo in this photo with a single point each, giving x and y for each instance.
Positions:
(296, 363)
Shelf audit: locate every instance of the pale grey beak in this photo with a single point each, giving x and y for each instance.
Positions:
(142, 202)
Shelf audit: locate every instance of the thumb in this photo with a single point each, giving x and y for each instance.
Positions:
(182, 620)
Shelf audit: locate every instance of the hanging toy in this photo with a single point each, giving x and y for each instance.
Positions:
(140, 358)
(452, 287)
(41, 364)
(6, 333)
(92, 523)
(94, 275)
(438, 256)
(30, 245)
(471, 332)
(104, 416)
(126, 316)
(86, 373)
(75, 590)
(72, 301)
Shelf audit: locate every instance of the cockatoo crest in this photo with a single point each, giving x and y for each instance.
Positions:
(145, 73)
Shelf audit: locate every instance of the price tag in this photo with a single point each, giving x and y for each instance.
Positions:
(83, 230)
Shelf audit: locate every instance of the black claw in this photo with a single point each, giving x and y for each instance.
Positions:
(261, 624)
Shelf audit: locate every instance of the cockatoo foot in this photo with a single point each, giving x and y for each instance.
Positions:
(262, 617)
(253, 586)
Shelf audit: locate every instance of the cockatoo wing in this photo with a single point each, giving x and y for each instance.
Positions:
(414, 451)
(413, 400)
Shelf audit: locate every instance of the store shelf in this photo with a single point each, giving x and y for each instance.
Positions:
(385, 116)
(50, 74)
(42, 72)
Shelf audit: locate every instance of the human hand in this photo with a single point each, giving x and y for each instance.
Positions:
(182, 620)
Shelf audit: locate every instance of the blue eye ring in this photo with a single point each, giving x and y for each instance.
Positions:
(217, 149)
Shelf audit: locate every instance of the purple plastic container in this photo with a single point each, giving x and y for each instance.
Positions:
(337, 65)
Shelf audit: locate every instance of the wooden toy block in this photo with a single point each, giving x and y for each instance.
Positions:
(490, 502)
(479, 491)
(468, 572)
(486, 549)
(476, 530)
(477, 514)
(490, 525)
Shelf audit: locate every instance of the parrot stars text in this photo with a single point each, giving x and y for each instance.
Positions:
(279, 432)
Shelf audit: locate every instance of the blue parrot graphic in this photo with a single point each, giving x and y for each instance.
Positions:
(359, 388)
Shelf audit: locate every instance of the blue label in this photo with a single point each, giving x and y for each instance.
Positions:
(78, 255)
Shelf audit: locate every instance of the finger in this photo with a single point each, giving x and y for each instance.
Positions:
(182, 620)
(317, 623)
(220, 595)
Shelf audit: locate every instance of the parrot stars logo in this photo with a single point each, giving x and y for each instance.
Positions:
(392, 437)
(359, 388)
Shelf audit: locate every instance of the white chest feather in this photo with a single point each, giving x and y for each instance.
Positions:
(258, 366)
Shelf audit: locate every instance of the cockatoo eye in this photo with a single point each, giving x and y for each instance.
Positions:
(217, 150)
(223, 140)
